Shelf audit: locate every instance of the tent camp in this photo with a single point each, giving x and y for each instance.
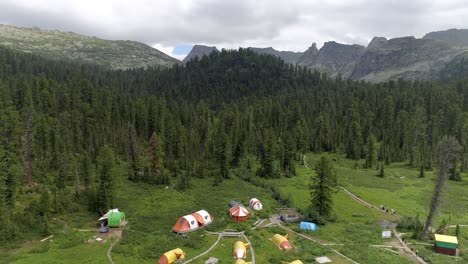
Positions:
(446, 244)
(239, 250)
(113, 218)
(191, 222)
(255, 204)
(281, 241)
(239, 213)
(308, 226)
(171, 256)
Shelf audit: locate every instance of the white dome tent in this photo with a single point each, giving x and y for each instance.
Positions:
(255, 204)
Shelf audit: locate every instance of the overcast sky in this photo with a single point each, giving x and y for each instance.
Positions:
(173, 26)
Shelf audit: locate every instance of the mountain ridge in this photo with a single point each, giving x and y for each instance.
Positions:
(383, 59)
(114, 54)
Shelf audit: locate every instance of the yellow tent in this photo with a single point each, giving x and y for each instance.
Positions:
(171, 256)
(281, 241)
(294, 262)
(239, 250)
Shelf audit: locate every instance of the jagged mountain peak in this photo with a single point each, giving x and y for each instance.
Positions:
(200, 51)
(377, 42)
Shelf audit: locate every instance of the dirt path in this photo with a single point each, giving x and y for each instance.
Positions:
(404, 247)
(359, 200)
(220, 236)
(206, 252)
(118, 234)
(407, 250)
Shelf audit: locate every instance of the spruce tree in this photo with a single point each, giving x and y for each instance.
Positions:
(105, 190)
(322, 187)
(156, 165)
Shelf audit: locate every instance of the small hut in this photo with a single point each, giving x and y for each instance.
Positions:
(290, 215)
(239, 213)
(446, 244)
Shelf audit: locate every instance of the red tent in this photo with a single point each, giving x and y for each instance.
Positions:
(239, 213)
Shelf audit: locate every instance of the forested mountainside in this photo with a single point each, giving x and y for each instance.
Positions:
(64, 125)
(54, 44)
(433, 57)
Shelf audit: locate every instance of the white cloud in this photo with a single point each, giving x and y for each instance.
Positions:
(285, 25)
(169, 50)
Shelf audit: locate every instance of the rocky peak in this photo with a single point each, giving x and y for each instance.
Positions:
(200, 51)
(377, 42)
(309, 55)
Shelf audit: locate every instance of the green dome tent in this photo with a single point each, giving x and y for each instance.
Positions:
(115, 218)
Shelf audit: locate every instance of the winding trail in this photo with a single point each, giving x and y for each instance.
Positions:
(404, 246)
(206, 252)
(220, 236)
(109, 251)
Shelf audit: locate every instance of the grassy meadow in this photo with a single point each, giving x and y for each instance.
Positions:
(153, 210)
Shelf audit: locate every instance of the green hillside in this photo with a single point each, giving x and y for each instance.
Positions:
(54, 44)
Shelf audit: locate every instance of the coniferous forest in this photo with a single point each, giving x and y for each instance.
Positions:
(65, 126)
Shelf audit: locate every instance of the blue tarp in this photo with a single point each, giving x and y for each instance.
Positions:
(308, 226)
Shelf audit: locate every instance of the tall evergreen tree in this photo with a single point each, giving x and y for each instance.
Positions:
(322, 186)
(105, 191)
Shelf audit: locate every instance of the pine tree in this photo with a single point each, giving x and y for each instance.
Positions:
(156, 167)
(105, 191)
(28, 119)
(86, 171)
(421, 171)
(133, 153)
(322, 187)
(371, 151)
(223, 154)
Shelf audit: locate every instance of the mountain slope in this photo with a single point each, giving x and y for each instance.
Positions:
(452, 36)
(70, 46)
(406, 57)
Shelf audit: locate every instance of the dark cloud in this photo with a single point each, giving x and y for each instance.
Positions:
(291, 24)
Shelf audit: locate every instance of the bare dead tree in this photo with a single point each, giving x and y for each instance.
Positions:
(448, 151)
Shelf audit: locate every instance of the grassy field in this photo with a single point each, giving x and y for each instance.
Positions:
(357, 225)
(153, 210)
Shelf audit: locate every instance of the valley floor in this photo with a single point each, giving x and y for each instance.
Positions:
(153, 210)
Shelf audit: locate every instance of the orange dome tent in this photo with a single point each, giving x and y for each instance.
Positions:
(192, 222)
(171, 256)
(239, 213)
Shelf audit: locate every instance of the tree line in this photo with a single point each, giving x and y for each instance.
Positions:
(66, 127)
